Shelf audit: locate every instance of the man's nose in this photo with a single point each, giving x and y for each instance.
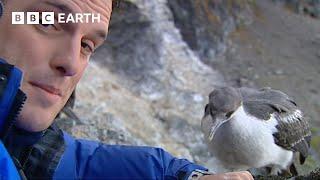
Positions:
(67, 59)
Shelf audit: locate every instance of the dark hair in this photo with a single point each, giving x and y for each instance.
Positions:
(1, 8)
(115, 4)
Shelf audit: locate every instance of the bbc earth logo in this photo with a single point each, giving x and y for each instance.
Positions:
(52, 18)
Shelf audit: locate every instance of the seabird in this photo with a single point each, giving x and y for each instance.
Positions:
(248, 128)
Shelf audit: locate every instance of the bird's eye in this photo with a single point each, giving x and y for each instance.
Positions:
(228, 115)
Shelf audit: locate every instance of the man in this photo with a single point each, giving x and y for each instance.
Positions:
(53, 59)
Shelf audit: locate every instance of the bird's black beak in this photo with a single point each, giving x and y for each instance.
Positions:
(215, 128)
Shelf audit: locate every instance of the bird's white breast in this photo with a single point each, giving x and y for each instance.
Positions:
(245, 142)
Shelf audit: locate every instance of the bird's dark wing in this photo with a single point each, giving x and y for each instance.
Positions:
(293, 130)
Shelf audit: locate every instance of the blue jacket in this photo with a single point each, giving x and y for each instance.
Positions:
(7, 168)
(89, 159)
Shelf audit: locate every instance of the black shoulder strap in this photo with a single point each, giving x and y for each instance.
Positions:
(45, 155)
(39, 160)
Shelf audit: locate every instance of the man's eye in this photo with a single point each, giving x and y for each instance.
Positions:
(87, 47)
(47, 26)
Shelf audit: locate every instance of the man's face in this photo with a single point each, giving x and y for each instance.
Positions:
(52, 57)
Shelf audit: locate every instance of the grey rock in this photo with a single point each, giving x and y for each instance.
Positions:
(204, 25)
(308, 7)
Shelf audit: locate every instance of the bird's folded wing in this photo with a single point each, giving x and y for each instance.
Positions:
(293, 132)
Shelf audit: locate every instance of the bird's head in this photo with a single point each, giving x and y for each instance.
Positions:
(223, 102)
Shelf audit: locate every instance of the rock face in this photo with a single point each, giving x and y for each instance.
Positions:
(148, 84)
(205, 25)
(307, 7)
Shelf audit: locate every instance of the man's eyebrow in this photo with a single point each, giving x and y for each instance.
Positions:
(61, 6)
(66, 9)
